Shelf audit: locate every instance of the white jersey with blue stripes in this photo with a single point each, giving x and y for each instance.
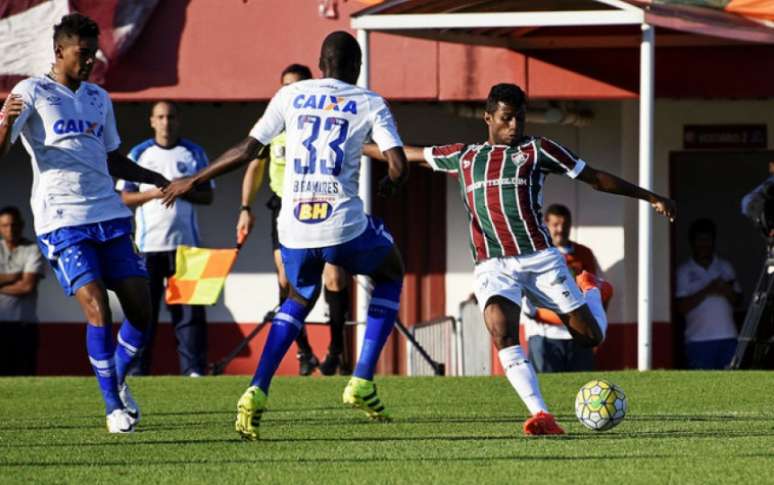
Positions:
(68, 136)
(327, 121)
(159, 228)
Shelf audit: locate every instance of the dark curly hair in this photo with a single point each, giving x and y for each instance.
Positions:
(75, 24)
(506, 93)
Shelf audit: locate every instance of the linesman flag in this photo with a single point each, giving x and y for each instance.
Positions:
(200, 274)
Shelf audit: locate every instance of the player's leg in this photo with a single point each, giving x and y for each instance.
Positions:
(337, 296)
(307, 361)
(373, 253)
(157, 266)
(304, 269)
(497, 290)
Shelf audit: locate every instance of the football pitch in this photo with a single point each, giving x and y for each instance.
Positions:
(682, 427)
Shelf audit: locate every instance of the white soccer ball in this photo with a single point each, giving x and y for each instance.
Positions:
(600, 405)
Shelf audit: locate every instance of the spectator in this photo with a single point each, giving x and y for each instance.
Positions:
(551, 346)
(21, 266)
(707, 292)
(160, 230)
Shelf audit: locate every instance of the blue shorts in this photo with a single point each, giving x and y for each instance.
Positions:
(362, 255)
(90, 252)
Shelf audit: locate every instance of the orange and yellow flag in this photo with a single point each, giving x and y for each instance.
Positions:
(200, 275)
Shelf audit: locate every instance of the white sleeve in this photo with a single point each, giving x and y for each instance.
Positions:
(24, 88)
(272, 122)
(110, 134)
(384, 131)
(682, 285)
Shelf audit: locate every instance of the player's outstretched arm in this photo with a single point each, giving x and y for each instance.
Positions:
(233, 158)
(607, 182)
(122, 167)
(413, 154)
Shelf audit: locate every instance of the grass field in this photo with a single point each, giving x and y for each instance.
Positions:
(682, 428)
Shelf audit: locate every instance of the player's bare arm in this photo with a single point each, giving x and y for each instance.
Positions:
(233, 158)
(413, 154)
(607, 182)
(120, 166)
(201, 195)
(9, 278)
(11, 110)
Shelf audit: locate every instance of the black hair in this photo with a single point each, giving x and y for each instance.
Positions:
(75, 24)
(506, 93)
(11, 210)
(701, 226)
(165, 101)
(299, 70)
(559, 210)
(340, 50)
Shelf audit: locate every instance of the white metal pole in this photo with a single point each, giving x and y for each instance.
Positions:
(363, 295)
(645, 219)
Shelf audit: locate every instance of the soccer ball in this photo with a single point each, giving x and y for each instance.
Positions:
(600, 405)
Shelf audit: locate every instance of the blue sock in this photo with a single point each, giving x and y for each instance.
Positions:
(385, 301)
(99, 345)
(130, 341)
(284, 329)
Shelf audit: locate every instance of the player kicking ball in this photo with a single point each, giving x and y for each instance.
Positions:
(82, 227)
(322, 219)
(501, 184)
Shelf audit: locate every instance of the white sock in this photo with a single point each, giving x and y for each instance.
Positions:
(522, 377)
(594, 301)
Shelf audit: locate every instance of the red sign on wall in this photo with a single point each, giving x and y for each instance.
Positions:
(724, 136)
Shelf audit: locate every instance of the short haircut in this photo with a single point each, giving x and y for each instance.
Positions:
(340, 49)
(75, 24)
(506, 93)
(165, 101)
(299, 70)
(701, 226)
(559, 210)
(11, 210)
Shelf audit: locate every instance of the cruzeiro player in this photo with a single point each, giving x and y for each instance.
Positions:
(84, 230)
(322, 219)
(501, 184)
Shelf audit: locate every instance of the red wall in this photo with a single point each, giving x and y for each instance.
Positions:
(211, 50)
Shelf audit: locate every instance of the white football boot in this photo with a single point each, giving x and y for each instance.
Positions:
(119, 421)
(129, 403)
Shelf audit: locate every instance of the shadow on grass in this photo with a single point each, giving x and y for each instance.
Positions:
(323, 461)
(588, 436)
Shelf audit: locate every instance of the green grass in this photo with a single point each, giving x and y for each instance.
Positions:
(682, 428)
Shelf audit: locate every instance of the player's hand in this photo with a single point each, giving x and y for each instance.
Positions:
(387, 187)
(176, 188)
(245, 223)
(12, 108)
(665, 207)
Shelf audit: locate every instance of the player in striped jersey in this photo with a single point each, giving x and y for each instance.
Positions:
(501, 185)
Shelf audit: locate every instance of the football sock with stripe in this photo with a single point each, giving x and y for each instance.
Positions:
(594, 301)
(130, 341)
(99, 346)
(522, 377)
(385, 301)
(285, 327)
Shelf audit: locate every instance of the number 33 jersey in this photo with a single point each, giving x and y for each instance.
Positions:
(327, 121)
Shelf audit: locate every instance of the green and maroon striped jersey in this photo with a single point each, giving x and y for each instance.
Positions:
(502, 188)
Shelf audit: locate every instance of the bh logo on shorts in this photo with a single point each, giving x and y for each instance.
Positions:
(313, 211)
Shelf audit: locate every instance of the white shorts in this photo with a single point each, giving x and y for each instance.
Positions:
(542, 277)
